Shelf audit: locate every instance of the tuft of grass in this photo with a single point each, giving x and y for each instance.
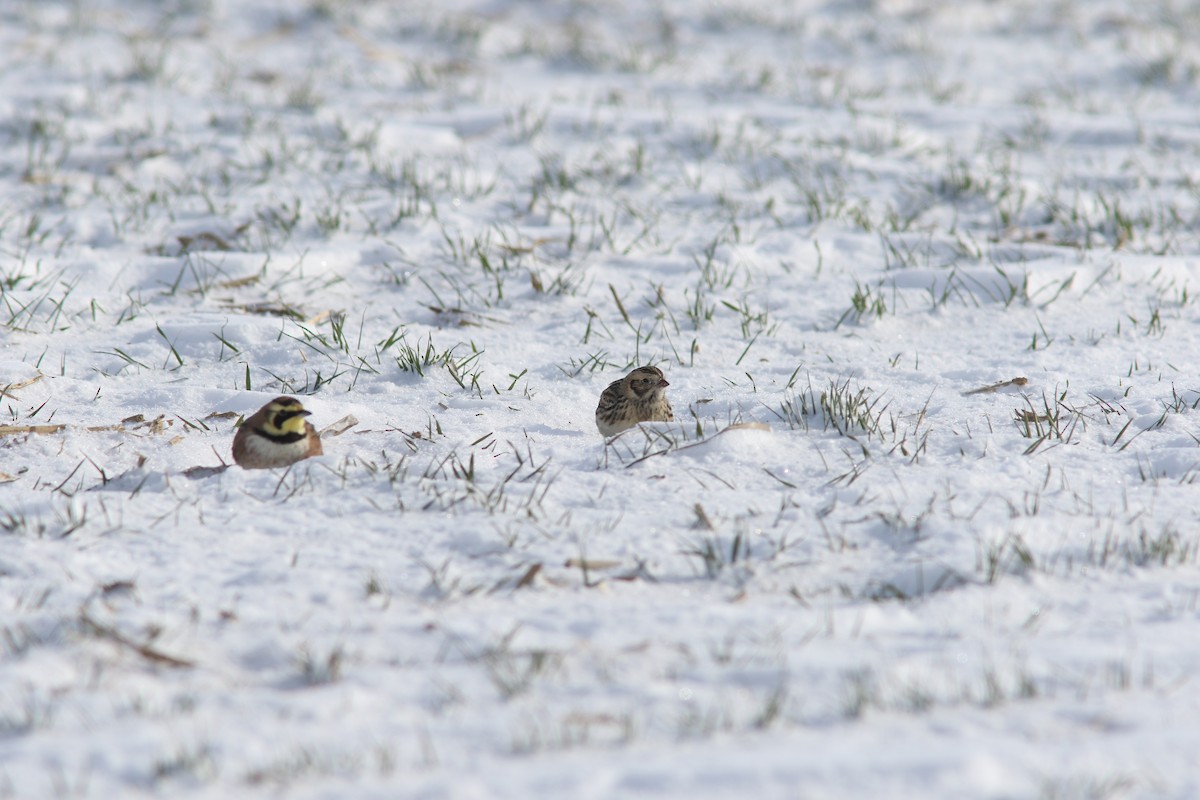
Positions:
(172, 352)
(195, 763)
(33, 713)
(67, 517)
(318, 669)
(419, 360)
(717, 553)
(850, 411)
(1053, 420)
(1010, 556)
(514, 672)
(866, 302)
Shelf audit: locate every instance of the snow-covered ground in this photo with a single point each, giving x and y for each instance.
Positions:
(923, 279)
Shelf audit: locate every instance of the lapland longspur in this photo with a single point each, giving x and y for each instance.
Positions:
(638, 397)
(277, 435)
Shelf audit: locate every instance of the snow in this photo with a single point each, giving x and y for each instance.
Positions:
(922, 277)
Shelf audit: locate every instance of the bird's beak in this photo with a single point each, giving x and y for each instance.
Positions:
(304, 413)
(662, 383)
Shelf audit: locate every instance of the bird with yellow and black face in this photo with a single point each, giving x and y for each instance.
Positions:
(277, 435)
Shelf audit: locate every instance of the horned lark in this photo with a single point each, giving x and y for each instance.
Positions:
(277, 435)
(638, 397)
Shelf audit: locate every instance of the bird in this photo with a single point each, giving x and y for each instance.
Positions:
(277, 435)
(638, 397)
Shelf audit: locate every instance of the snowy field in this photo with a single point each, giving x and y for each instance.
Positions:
(923, 277)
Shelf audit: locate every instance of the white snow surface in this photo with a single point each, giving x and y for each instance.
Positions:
(841, 573)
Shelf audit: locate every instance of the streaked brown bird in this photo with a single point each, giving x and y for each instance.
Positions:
(638, 397)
